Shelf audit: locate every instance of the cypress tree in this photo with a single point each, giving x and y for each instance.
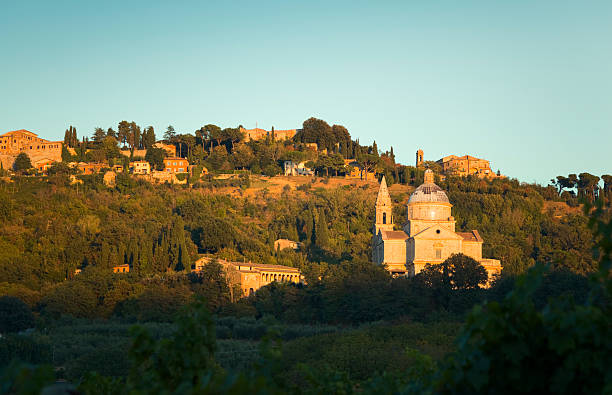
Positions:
(321, 231)
(308, 226)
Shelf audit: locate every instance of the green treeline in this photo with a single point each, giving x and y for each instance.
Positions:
(351, 326)
(51, 230)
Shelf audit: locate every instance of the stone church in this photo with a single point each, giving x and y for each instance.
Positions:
(427, 237)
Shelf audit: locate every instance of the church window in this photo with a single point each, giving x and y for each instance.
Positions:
(438, 253)
(438, 231)
(384, 218)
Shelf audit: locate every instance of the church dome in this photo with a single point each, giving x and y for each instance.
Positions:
(428, 192)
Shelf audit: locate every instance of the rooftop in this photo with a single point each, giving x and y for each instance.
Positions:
(394, 235)
(471, 236)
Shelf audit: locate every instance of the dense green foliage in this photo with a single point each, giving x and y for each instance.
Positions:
(350, 328)
(15, 315)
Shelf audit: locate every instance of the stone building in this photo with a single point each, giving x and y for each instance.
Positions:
(282, 244)
(125, 268)
(252, 276)
(357, 171)
(169, 148)
(419, 158)
(89, 168)
(137, 153)
(427, 237)
(262, 134)
(39, 150)
(466, 165)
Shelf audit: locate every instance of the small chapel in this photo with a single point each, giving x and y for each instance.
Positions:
(428, 236)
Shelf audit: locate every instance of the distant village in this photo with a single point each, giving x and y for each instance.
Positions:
(166, 161)
(215, 153)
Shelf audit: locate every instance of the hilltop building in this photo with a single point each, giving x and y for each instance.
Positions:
(297, 169)
(357, 171)
(262, 134)
(140, 167)
(427, 237)
(252, 276)
(125, 268)
(169, 148)
(282, 244)
(176, 165)
(419, 158)
(88, 168)
(41, 152)
(466, 165)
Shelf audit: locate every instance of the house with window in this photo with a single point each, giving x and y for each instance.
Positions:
(140, 167)
(125, 268)
(249, 276)
(297, 169)
(176, 165)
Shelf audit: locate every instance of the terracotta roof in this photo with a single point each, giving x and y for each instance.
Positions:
(394, 235)
(471, 236)
(263, 266)
(254, 266)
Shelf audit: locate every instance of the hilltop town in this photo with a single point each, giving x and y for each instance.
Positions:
(213, 152)
(309, 231)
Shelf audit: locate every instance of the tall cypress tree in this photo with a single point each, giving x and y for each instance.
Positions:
(321, 231)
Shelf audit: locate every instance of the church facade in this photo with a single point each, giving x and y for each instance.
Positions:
(428, 237)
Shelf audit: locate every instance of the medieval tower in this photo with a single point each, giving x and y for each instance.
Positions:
(419, 158)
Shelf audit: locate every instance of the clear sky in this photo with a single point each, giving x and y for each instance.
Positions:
(525, 84)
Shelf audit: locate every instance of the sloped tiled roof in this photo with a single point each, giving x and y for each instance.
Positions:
(394, 235)
(471, 236)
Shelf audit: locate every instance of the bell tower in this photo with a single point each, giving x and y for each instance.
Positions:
(384, 209)
(419, 158)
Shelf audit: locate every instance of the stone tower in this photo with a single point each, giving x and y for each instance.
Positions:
(419, 158)
(384, 209)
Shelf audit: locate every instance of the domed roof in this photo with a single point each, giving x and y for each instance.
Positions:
(428, 191)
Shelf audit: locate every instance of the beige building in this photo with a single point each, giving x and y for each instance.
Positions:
(427, 237)
(252, 276)
(262, 134)
(282, 244)
(169, 148)
(466, 165)
(39, 150)
(356, 171)
(140, 167)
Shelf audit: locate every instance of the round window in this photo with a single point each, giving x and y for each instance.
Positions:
(438, 231)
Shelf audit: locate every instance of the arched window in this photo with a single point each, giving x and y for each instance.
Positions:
(384, 218)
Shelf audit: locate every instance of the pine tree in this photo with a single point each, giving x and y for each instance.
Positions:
(99, 135)
(374, 148)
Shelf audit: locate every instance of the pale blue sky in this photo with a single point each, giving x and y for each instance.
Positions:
(525, 84)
